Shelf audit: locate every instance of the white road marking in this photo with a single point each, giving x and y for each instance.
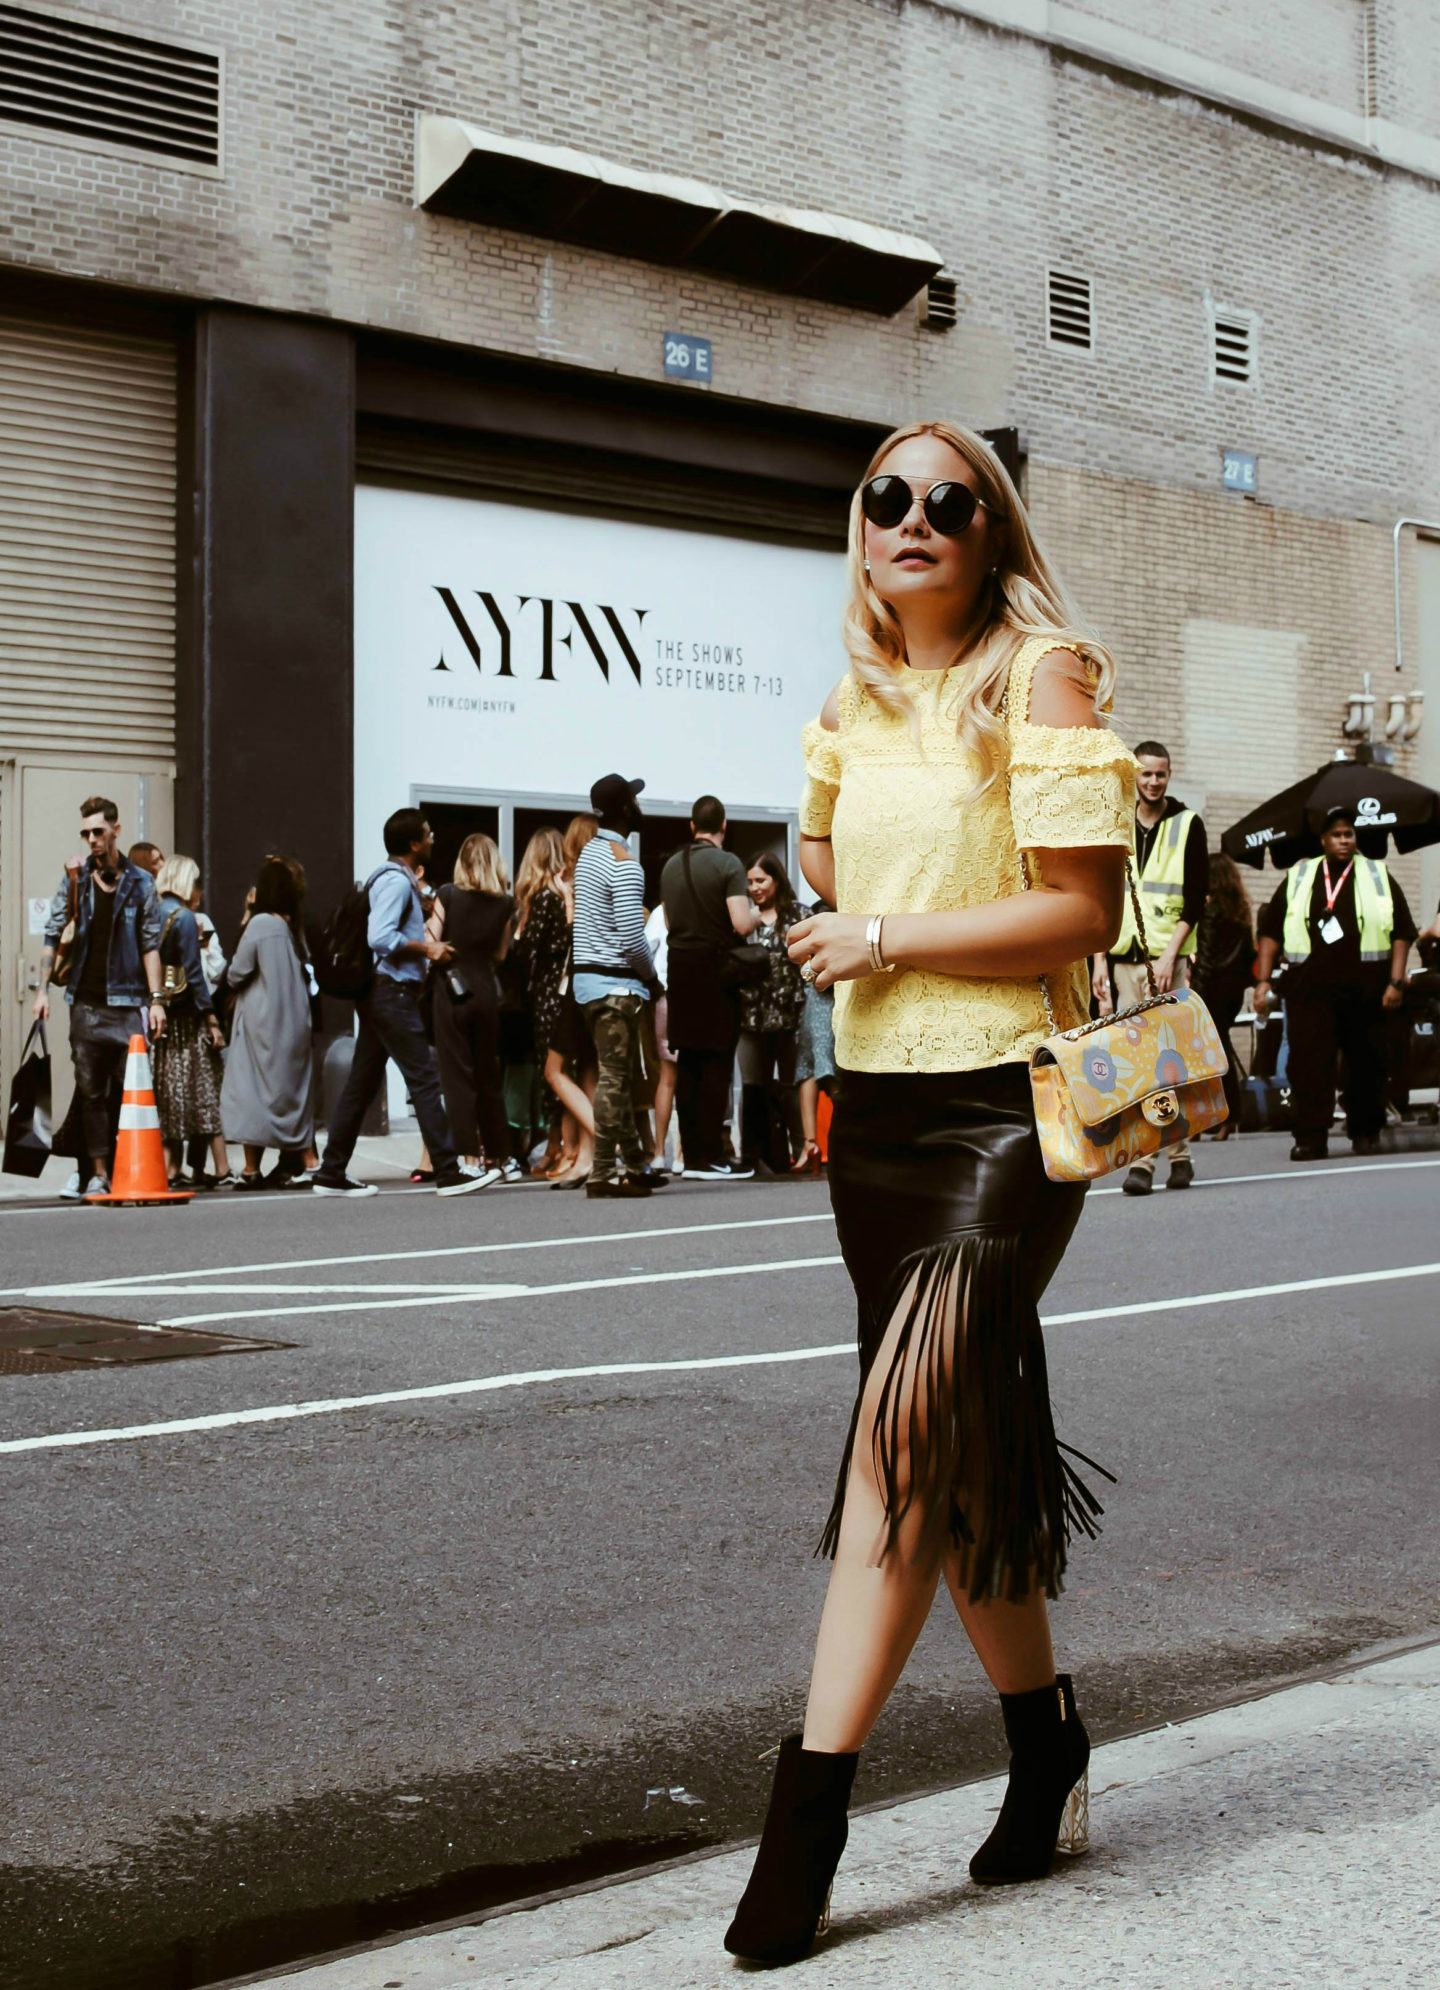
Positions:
(420, 1285)
(463, 1295)
(1296, 1172)
(226, 1419)
(569, 1243)
(282, 1412)
(153, 1281)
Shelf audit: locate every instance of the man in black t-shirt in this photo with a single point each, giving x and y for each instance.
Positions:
(707, 909)
(1345, 929)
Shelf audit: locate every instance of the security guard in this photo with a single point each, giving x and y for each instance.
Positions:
(1172, 871)
(1345, 930)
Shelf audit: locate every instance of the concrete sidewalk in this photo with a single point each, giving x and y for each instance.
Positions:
(1294, 1840)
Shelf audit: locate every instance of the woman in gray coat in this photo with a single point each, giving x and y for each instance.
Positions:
(266, 1101)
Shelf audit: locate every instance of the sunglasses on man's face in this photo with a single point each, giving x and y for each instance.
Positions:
(948, 506)
(102, 831)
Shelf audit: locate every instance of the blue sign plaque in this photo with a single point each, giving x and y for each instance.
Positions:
(1239, 472)
(687, 358)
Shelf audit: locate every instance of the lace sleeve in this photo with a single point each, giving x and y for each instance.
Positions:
(1071, 786)
(822, 779)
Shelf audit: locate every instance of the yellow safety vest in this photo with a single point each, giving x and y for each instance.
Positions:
(1162, 890)
(1374, 908)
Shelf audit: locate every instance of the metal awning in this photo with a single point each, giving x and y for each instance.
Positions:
(568, 196)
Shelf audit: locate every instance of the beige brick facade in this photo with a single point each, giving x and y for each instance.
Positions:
(1008, 150)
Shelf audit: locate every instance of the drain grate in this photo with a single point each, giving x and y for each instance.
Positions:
(35, 1340)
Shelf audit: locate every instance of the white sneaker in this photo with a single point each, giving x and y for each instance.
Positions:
(73, 1190)
(97, 1185)
(512, 1171)
(468, 1183)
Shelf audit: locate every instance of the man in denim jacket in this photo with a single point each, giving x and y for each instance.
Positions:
(116, 968)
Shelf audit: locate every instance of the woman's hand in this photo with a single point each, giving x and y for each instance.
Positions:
(834, 945)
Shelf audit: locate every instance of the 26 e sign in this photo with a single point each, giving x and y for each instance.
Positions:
(688, 358)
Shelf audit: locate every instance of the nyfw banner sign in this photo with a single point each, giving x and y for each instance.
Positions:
(508, 648)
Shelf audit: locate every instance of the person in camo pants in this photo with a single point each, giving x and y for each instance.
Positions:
(614, 979)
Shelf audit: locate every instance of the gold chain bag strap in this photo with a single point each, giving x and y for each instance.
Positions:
(1129, 1084)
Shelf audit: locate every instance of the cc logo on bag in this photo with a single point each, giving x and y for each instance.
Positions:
(1161, 1108)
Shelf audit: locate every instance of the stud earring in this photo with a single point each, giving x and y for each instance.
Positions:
(867, 566)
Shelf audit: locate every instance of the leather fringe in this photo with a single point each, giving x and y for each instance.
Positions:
(964, 1424)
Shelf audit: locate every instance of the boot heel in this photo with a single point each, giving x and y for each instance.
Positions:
(1075, 1822)
(822, 1926)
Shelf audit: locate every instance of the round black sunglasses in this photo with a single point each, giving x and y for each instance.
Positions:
(948, 506)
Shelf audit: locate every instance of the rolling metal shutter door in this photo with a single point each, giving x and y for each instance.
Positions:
(87, 539)
(593, 480)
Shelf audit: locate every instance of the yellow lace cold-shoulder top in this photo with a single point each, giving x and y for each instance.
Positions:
(903, 843)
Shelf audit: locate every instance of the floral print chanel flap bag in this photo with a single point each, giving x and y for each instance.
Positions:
(1129, 1084)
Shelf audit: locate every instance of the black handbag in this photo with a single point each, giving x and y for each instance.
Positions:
(741, 962)
(27, 1125)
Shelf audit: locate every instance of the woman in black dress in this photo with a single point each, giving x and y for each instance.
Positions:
(771, 1133)
(474, 914)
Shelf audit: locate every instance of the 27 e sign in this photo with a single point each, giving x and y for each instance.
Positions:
(549, 625)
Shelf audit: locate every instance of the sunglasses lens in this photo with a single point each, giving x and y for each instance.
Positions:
(950, 508)
(885, 500)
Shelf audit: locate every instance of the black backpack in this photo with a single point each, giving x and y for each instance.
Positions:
(340, 952)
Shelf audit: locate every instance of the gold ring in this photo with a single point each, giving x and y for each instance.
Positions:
(807, 972)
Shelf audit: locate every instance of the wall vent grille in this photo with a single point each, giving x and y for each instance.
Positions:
(1233, 355)
(942, 303)
(123, 90)
(1071, 310)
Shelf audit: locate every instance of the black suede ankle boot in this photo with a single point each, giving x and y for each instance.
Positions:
(786, 1905)
(1047, 1805)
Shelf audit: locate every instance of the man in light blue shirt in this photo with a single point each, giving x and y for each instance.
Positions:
(614, 974)
(390, 1021)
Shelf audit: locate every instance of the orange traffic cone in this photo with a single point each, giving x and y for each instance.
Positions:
(140, 1152)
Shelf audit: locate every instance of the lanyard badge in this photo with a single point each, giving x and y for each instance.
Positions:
(1330, 929)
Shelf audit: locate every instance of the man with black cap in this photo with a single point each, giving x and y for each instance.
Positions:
(614, 974)
(1342, 923)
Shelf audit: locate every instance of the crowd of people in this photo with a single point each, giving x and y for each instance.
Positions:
(549, 1028)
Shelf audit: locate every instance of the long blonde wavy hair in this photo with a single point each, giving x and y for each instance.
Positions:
(540, 867)
(480, 867)
(1024, 597)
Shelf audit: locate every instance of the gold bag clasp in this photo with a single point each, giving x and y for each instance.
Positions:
(1161, 1108)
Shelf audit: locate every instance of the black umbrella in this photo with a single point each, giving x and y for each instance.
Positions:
(1386, 805)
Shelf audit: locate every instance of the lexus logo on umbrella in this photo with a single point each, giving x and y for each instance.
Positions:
(1368, 815)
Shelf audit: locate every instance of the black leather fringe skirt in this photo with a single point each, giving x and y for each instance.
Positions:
(948, 1220)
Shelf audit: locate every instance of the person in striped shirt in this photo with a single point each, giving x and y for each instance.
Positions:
(614, 976)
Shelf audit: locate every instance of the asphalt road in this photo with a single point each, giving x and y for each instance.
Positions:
(274, 1686)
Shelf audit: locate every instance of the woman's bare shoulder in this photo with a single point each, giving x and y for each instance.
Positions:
(830, 710)
(1062, 691)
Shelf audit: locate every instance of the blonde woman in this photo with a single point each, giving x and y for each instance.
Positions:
(187, 1060)
(474, 915)
(542, 944)
(568, 1045)
(964, 755)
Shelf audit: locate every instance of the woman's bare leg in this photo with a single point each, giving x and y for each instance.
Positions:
(873, 1611)
(810, 1110)
(872, 1617)
(569, 1093)
(664, 1104)
(1011, 1640)
(253, 1157)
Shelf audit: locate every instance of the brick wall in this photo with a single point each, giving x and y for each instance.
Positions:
(1239, 630)
(1309, 46)
(1007, 156)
